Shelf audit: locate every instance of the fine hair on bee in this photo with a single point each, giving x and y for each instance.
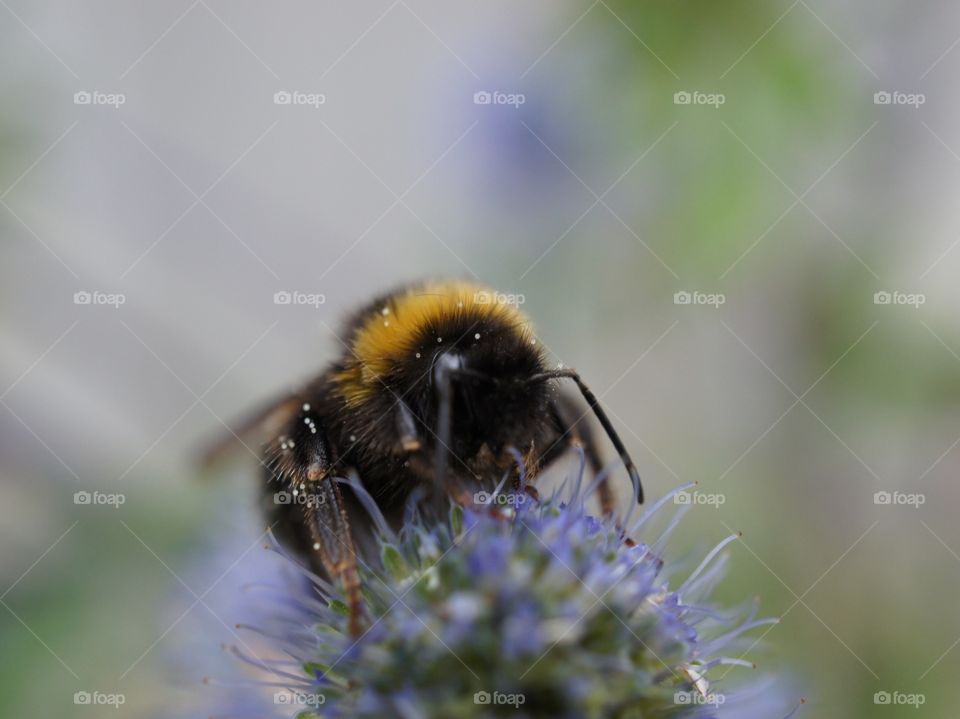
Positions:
(441, 390)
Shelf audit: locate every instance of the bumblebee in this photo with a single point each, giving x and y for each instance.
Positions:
(442, 388)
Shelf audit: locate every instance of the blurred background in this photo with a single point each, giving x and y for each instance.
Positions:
(738, 220)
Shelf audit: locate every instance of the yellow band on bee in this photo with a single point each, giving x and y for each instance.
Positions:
(394, 332)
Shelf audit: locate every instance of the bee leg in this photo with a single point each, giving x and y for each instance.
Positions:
(325, 516)
(575, 431)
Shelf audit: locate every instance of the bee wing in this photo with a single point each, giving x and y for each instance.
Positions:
(256, 429)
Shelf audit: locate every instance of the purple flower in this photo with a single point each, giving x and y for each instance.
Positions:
(539, 610)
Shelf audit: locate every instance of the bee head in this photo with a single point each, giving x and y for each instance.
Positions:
(457, 357)
(483, 379)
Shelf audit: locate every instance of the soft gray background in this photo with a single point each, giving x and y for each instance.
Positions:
(199, 198)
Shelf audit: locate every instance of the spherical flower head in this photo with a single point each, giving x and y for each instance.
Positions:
(520, 608)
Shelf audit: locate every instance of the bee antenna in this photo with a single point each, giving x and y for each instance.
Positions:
(601, 416)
